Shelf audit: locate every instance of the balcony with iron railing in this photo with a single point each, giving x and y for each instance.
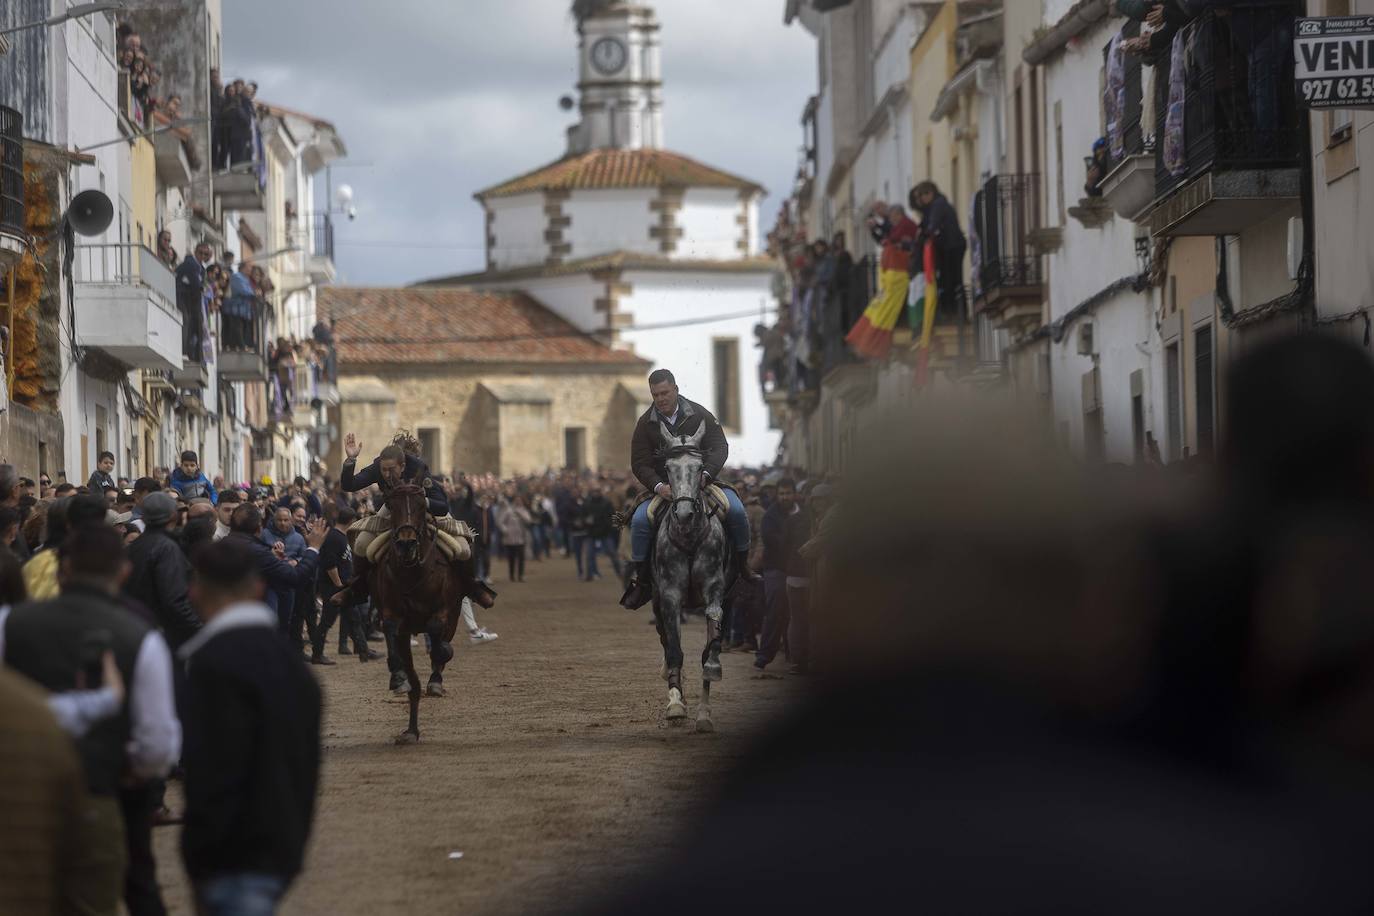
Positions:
(1234, 153)
(242, 355)
(125, 305)
(13, 229)
(1006, 261)
(1129, 185)
(320, 262)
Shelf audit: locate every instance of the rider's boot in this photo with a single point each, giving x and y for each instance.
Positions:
(482, 595)
(641, 589)
(356, 592)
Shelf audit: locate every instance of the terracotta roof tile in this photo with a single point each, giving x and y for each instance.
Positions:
(414, 325)
(620, 168)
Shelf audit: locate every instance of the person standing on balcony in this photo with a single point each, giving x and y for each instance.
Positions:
(190, 296)
(239, 311)
(871, 336)
(940, 224)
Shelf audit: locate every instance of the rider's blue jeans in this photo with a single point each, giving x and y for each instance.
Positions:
(736, 523)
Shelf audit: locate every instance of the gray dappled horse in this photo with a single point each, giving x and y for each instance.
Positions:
(690, 549)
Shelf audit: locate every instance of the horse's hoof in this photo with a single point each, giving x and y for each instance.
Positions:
(435, 689)
(407, 737)
(704, 723)
(711, 671)
(400, 690)
(676, 708)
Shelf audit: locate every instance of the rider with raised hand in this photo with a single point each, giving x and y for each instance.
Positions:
(389, 470)
(682, 418)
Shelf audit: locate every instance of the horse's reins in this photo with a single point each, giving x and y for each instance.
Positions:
(697, 527)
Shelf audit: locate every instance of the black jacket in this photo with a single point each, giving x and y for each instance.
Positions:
(159, 580)
(98, 482)
(252, 754)
(775, 524)
(278, 575)
(351, 480)
(190, 286)
(646, 447)
(940, 222)
(599, 511)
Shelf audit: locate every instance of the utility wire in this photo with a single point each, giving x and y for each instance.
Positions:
(658, 326)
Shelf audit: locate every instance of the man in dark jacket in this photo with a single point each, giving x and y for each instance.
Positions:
(940, 222)
(252, 741)
(680, 417)
(245, 526)
(160, 573)
(776, 522)
(190, 290)
(600, 532)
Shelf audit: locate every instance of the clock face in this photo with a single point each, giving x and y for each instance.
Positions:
(609, 56)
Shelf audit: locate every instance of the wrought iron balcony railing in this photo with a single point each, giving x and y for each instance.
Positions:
(1239, 105)
(1006, 212)
(12, 172)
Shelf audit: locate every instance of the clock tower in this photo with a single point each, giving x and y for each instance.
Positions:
(620, 77)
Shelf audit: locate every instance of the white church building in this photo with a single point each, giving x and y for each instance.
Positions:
(647, 249)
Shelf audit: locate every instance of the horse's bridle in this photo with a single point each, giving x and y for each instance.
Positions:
(696, 526)
(420, 558)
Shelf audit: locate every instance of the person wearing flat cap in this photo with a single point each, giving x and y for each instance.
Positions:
(161, 575)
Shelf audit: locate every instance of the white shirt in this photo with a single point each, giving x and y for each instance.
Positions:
(154, 729)
(672, 420)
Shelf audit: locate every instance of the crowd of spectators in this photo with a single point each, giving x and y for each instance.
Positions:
(145, 77)
(234, 124)
(299, 370)
(838, 309)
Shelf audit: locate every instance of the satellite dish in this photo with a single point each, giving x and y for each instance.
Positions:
(566, 103)
(90, 213)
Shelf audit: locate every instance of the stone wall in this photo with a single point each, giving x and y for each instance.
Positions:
(478, 433)
(31, 440)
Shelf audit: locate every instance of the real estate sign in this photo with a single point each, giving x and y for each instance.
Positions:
(1334, 62)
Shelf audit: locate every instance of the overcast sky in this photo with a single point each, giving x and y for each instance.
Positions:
(434, 105)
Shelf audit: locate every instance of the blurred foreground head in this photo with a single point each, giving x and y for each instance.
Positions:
(965, 541)
(1300, 423)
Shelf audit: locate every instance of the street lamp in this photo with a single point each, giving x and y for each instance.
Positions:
(73, 12)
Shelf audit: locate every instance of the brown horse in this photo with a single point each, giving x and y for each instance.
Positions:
(416, 587)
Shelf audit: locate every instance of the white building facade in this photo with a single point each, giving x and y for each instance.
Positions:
(647, 249)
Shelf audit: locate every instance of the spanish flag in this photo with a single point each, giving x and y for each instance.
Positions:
(928, 324)
(871, 336)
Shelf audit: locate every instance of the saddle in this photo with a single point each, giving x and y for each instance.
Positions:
(453, 547)
(717, 505)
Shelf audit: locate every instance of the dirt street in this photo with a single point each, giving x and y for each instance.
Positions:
(548, 765)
